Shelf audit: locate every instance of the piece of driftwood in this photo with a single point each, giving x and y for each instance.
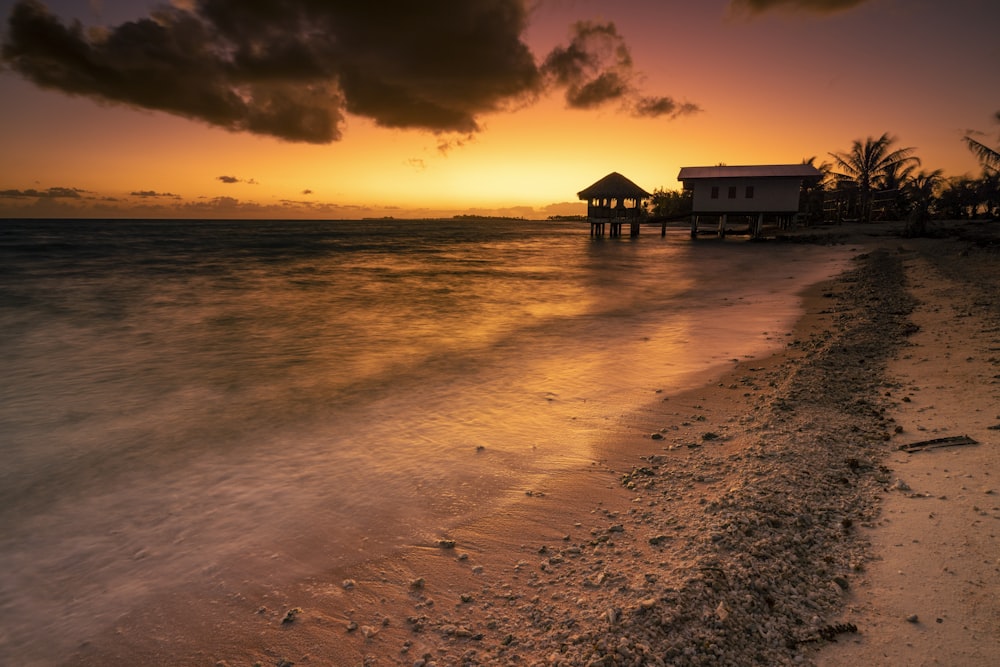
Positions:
(951, 441)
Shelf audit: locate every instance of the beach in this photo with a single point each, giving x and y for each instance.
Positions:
(768, 517)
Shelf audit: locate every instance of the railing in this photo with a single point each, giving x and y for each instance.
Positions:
(605, 213)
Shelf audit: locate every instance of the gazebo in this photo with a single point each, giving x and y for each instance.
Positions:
(614, 200)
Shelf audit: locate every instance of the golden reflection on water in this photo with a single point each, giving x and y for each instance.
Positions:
(179, 417)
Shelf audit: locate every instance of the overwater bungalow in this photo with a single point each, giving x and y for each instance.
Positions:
(750, 191)
(612, 202)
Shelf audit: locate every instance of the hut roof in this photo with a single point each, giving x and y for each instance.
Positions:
(750, 171)
(614, 185)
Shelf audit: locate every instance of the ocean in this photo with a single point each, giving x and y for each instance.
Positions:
(183, 401)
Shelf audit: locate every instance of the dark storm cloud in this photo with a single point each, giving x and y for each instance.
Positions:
(293, 69)
(176, 61)
(819, 6)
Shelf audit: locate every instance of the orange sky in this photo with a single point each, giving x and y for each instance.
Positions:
(773, 85)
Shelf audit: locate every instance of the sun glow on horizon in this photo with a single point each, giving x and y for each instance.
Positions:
(766, 91)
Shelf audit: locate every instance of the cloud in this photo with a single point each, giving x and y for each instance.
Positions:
(663, 106)
(596, 68)
(153, 194)
(445, 146)
(225, 203)
(818, 6)
(294, 70)
(49, 193)
(307, 191)
(236, 179)
(593, 67)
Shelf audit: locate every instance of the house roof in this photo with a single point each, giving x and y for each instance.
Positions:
(613, 185)
(750, 171)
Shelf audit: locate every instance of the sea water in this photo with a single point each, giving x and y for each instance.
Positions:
(183, 399)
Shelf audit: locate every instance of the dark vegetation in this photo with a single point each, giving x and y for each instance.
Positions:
(875, 180)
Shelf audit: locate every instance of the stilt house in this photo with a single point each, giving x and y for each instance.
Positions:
(613, 201)
(751, 192)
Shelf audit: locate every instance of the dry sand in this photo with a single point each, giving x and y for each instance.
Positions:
(932, 596)
(760, 520)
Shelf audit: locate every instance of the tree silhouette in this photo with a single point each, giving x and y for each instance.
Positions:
(920, 190)
(960, 200)
(868, 163)
(988, 157)
(813, 191)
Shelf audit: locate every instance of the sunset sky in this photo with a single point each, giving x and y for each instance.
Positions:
(204, 109)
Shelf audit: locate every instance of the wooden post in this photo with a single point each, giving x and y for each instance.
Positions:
(722, 225)
(694, 226)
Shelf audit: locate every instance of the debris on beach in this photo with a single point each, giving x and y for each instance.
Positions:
(950, 441)
(829, 633)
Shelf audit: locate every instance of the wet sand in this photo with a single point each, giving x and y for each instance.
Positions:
(766, 518)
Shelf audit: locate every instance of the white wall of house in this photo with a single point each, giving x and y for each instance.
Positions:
(746, 195)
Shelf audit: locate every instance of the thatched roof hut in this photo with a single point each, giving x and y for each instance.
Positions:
(614, 186)
(614, 199)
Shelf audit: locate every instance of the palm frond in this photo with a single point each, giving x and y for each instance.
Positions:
(986, 155)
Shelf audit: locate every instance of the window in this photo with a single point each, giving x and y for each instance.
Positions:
(732, 192)
(715, 192)
(749, 192)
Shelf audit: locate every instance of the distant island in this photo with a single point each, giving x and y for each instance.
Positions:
(484, 217)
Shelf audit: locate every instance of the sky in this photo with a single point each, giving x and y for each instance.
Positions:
(357, 108)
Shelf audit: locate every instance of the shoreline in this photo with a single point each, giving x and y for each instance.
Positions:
(929, 597)
(740, 535)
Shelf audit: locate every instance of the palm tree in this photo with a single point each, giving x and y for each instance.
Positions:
(893, 185)
(922, 186)
(812, 193)
(988, 157)
(869, 161)
(960, 199)
(989, 191)
(921, 189)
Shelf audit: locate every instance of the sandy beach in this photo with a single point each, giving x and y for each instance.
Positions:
(767, 518)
